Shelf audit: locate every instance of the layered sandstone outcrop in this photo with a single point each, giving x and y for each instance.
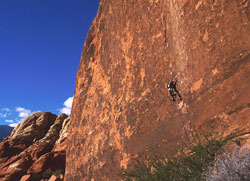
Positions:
(36, 145)
(122, 108)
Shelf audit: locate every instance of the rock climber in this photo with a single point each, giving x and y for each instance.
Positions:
(173, 90)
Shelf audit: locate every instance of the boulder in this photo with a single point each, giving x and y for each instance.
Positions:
(29, 148)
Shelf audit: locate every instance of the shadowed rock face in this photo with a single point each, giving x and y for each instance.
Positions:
(34, 146)
(121, 106)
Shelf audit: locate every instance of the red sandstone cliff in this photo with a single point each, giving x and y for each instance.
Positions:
(121, 106)
(34, 146)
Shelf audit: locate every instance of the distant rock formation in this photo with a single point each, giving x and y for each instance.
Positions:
(122, 108)
(35, 146)
(5, 131)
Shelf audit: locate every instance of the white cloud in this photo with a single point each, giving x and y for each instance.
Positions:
(68, 102)
(13, 124)
(4, 112)
(23, 113)
(65, 110)
(3, 115)
(67, 106)
(9, 121)
(6, 109)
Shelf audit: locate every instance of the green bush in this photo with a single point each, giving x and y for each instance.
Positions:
(183, 165)
(36, 177)
(44, 175)
(58, 172)
(47, 174)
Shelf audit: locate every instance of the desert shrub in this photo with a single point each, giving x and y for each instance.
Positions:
(36, 177)
(47, 174)
(58, 172)
(184, 164)
(232, 166)
(44, 175)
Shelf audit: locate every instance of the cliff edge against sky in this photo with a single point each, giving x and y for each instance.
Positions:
(122, 108)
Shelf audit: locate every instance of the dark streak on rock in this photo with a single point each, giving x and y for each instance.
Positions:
(90, 36)
(91, 50)
(238, 109)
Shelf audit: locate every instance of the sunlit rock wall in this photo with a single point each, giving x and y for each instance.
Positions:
(122, 108)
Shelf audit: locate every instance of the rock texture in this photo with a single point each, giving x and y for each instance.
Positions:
(5, 131)
(122, 108)
(34, 146)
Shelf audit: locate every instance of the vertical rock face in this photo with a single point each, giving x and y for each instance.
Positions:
(122, 108)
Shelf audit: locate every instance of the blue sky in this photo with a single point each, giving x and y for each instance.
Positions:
(40, 48)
